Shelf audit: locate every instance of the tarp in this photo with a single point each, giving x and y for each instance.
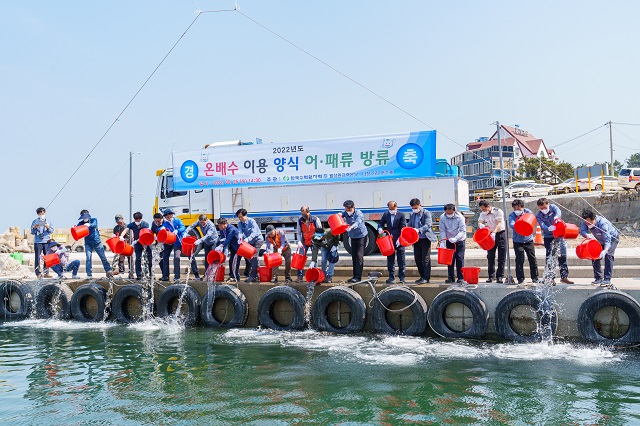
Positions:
(364, 158)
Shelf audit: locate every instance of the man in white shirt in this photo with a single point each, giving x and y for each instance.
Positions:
(493, 218)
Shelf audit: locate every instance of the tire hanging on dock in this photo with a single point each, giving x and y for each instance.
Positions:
(121, 304)
(16, 300)
(413, 301)
(340, 294)
(479, 314)
(50, 294)
(82, 307)
(504, 326)
(191, 300)
(287, 294)
(590, 328)
(233, 296)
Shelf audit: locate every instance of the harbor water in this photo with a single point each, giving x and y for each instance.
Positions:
(54, 372)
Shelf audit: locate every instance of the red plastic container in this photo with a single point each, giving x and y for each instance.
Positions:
(51, 260)
(272, 260)
(445, 255)
(188, 245)
(219, 273)
(215, 257)
(264, 274)
(571, 232)
(78, 232)
(385, 244)
(471, 274)
(111, 242)
(408, 236)
(525, 225)
(166, 237)
(483, 238)
(561, 227)
(146, 237)
(299, 259)
(246, 250)
(314, 275)
(123, 249)
(588, 249)
(337, 224)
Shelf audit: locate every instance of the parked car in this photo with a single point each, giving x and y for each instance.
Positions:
(512, 189)
(629, 178)
(610, 183)
(534, 190)
(566, 186)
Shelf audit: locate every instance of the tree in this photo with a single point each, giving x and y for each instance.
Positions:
(544, 170)
(634, 160)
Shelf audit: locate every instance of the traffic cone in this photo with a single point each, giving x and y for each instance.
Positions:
(538, 240)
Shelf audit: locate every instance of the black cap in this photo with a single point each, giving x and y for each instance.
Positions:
(167, 211)
(270, 229)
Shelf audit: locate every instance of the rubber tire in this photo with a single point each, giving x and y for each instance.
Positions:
(371, 246)
(24, 292)
(478, 309)
(233, 295)
(43, 301)
(404, 295)
(598, 187)
(288, 294)
(526, 194)
(118, 304)
(345, 295)
(600, 300)
(508, 303)
(191, 298)
(78, 302)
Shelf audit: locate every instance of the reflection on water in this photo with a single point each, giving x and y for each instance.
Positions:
(54, 372)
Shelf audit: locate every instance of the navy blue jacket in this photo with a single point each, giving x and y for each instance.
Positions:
(229, 237)
(394, 227)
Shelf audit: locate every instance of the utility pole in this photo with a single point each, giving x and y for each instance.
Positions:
(611, 147)
(130, 186)
(504, 205)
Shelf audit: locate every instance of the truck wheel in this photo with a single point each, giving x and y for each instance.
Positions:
(370, 247)
(638, 187)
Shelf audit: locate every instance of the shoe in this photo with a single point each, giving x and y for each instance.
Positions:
(596, 282)
(38, 276)
(449, 281)
(461, 281)
(566, 281)
(162, 279)
(521, 281)
(536, 280)
(250, 280)
(401, 282)
(116, 272)
(74, 277)
(130, 276)
(327, 281)
(176, 280)
(197, 278)
(299, 280)
(499, 280)
(353, 280)
(48, 276)
(274, 280)
(288, 280)
(489, 280)
(390, 281)
(606, 282)
(422, 281)
(89, 276)
(418, 281)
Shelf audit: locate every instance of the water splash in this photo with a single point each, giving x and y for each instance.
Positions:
(307, 305)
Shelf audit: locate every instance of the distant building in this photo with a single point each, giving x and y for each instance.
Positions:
(480, 163)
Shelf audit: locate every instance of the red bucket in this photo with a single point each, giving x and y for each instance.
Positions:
(188, 245)
(219, 273)
(483, 238)
(146, 237)
(215, 257)
(123, 249)
(561, 227)
(246, 250)
(272, 260)
(111, 242)
(264, 274)
(385, 244)
(314, 275)
(408, 236)
(78, 232)
(445, 255)
(571, 232)
(337, 224)
(471, 274)
(299, 259)
(166, 237)
(589, 249)
(51, 260)
(525, 225)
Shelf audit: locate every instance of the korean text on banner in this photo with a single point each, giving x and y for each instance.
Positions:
(394, 156)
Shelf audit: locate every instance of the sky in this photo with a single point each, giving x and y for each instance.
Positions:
(68, 69)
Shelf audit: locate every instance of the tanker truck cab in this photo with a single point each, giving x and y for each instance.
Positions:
(188, 205)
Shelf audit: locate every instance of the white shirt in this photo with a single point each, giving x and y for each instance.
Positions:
(494, 219)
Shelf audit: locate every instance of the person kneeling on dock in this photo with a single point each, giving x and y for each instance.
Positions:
(328, 244)
(453, 235)
(277, 242)
(523, 244)
(64, 265)
(606, 234)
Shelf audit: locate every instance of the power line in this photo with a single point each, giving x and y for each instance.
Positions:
(628, 137)
(626, 124)
(578, 137)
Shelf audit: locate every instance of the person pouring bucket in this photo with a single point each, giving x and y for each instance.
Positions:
(453, 236)
(603, 231)
(358, 237)
(64, 265)
(421, 220)
(92, 242)
(493, 219)
(209, 239)
(174, 225)
(277, 243)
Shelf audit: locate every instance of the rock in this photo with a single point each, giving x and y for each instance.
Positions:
(24, 247)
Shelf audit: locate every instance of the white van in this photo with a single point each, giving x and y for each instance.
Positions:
(629, 178)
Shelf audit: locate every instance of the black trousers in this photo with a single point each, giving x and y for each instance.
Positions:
(529, 249)
(234, 264)
(422, 256)
(357, 256)
(458, 260)
(500, 246)
(562, 255)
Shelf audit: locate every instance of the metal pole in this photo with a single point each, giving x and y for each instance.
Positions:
(504, 206)
(611, 149)
(130, 186)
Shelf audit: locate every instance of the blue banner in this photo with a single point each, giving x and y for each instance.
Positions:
(382, 157)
